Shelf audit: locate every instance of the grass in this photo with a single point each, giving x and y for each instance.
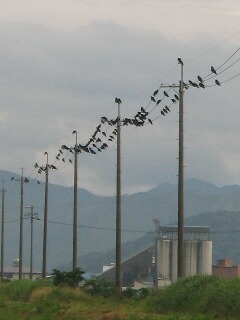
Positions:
(198, 298)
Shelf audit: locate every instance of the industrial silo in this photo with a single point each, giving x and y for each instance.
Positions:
(197, 252)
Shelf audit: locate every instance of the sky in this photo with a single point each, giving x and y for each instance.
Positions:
(63, 62)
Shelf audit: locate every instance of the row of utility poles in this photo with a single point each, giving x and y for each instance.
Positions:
(34, 216)
(118, 202)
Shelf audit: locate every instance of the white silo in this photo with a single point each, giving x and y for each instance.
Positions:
(197, 252)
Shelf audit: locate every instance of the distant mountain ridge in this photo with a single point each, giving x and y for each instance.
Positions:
(96, 216)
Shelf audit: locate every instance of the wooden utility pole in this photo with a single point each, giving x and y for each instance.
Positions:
(44, 262)
(180, 258)
(33, 216)
(118, 205)
(2, 231)
(75, 211)
(180, 264)
(21, 231)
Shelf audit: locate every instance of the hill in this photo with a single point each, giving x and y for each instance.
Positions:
(96, 216)
(224, 232)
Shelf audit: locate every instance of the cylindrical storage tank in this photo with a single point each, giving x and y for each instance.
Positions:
(190, 257)
(163, 254)
(205, 257)
(173, 261)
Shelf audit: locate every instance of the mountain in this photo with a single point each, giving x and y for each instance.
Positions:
(224, 233)
(96, 216)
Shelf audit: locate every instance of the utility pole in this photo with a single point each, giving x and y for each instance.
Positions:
(75, 194)
(33, 216)
(2, 233)
(118, 205)
(21, 231)
(156, 222)
(180, 258)
(44, 262)
(21, 224)
(180, 264)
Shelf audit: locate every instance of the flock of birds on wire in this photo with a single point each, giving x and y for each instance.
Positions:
(100, 139)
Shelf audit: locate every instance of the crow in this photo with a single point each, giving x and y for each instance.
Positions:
(213, 70)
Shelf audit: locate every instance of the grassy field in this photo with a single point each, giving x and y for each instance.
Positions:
(193, 298)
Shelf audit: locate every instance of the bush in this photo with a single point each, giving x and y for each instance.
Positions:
(129, 293)
(20, 290)
(70, 279)
(200, 294)
(99, 287)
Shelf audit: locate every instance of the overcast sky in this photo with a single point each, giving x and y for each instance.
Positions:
(63, 62)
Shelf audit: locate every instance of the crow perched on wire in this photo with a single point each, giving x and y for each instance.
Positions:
(213, 70)
(165, 93)
(117, 100)
(180, 61)
(153, 99)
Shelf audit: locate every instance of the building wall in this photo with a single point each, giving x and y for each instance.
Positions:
(138, 267)
(197, 258)
(225, 269)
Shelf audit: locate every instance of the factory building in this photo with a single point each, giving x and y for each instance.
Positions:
(158, 264)
(197, 252)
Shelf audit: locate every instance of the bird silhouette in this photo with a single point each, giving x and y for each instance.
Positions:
(158, 102)
(104, 133)
(38, 182)
(150, 121)
(166, 107)
(176, 97)
(92, 151)
(153, 99)
(165, 93)
(63, 159)
(200, 79)
(180, 61)
(165, 110)
(217, 82)
(70, 160)
(201, 85)
(162, 113)
(12, 178)
(104, 119)
(213, 70)
(155, 93)
(173, 100)
(117, 100)
(193, 84)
